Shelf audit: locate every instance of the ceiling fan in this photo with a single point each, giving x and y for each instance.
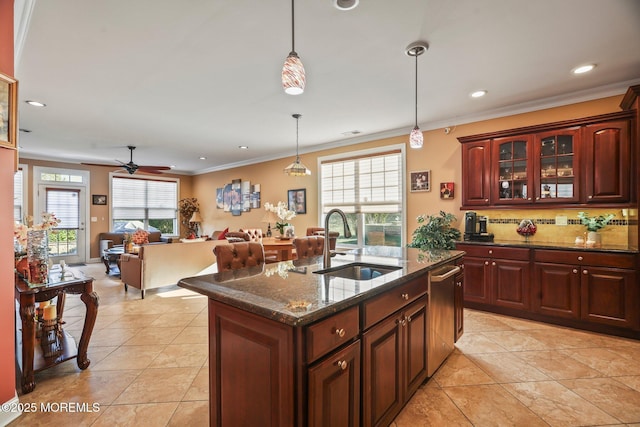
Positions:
(132, 167)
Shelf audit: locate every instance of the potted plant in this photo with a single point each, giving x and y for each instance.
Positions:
(435, 232)
(594, 223)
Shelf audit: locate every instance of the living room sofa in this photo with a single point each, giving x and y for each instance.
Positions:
(109, 240)
(155, 266)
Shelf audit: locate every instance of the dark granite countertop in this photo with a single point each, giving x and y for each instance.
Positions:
(290, 292)
(551, 245)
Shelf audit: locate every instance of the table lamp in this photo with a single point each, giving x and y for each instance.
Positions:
(196, 219)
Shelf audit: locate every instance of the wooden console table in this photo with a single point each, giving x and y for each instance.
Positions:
(283, 248)
(28, 352)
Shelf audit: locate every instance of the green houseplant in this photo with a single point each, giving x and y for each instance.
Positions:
(594, 223)
(435, 232)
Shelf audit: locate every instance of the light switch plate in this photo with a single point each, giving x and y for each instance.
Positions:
(561, 220)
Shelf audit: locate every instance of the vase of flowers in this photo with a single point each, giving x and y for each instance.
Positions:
(284, 216)
(35, 239)
(593, 224)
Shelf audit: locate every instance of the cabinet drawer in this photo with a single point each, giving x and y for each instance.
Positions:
(330, 333)
(586, 258)
(484, 251)
(393, 300)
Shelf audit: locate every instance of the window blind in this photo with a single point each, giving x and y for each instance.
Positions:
(143, 199)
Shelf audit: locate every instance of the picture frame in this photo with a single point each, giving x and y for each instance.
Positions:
(420, 181)
(99, 199)
(8, 111)
(447, 190)
(298, 200)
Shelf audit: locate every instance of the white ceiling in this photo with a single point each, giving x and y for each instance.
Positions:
(184, 79)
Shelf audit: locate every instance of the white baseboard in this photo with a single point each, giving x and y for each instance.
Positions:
(7, 417)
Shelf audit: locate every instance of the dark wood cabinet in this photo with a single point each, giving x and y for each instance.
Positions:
(607, 161)
(572, 162)
(334, 389)
(497, 276)
(556, 290)
(394, 363)
(476, 176)
(609, 296)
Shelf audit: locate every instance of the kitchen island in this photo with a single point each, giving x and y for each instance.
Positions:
(289, 346)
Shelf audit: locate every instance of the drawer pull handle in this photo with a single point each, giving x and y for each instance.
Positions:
(490, 251)
(340, 332)
(585, 271)
(402, 322)
(575, 270)
(486, 263)
(493, 263)
(342, 364)
(405, 297)
(580, 258)
(408, 319)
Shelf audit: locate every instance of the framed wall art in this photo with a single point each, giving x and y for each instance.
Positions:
(8, 111)
(99, 199)
(421, 181)
(446, 190)
(298, 200)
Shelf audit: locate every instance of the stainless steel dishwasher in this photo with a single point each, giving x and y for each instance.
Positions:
(441, 324)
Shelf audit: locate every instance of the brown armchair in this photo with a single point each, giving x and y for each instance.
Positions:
(309, 246)
(238, 255)
(319, 231)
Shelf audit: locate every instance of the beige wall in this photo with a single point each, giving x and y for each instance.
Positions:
(441, 154)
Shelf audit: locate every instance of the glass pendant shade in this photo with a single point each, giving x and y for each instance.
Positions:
(416, 139)
(293, 77)
(297, 169)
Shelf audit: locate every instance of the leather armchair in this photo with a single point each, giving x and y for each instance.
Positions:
(255, 234)
(319, 231)
(239, 255)
(309, 246)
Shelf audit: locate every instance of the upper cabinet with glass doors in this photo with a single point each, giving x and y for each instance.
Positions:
(557, 166)
(572, 162)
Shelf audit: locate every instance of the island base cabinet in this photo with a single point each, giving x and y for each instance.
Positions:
(249, 367)
(334, 389)
(394, 363)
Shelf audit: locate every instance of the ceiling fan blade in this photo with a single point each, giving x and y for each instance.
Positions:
(101, 164)
(158, 168)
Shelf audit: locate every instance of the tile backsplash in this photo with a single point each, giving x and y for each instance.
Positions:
(503, 224)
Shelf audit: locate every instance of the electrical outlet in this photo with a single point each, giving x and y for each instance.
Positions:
(561, 220)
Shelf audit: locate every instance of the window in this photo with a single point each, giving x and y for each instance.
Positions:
(18, 196)
(144, 203)
(368, 187)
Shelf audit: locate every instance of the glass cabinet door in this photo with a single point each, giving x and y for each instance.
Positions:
(511, 180)
(555, 162)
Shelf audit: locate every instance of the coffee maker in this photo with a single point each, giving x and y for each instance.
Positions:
(475, 228)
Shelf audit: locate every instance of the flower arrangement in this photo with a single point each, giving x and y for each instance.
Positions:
(282, 212)
(526, 228)
(594, 223)
(20, 230)
(187, 207)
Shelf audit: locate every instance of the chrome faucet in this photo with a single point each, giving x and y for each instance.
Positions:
(347, 234)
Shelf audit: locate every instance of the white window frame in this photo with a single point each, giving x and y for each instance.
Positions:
(366, 153)
(25, 190)
(146, 178)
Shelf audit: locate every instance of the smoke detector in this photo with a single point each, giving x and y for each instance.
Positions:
(345, 4)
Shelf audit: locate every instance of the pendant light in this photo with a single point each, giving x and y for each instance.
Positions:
(416, 49)
(293, 78)
(296, 168)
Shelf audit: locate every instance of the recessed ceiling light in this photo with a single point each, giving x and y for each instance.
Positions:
(478, 93)
(583, 69)
(36, 103)
(345, 4)
(243, 147)
(203, 158)
(351, 132)
(172, 166)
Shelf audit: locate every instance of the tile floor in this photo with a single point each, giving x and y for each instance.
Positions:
(149, 367)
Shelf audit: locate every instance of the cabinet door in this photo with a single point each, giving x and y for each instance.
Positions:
(458, 302)
(381, 372)
(556, 290)
(476, 283)
(557, 166)
(607, 161)
(511, 283)
(476, 175)
(511, 177)
(609, 296)
(334, 389)
(415, 331)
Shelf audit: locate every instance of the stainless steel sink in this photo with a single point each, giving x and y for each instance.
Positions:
(358, 271)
